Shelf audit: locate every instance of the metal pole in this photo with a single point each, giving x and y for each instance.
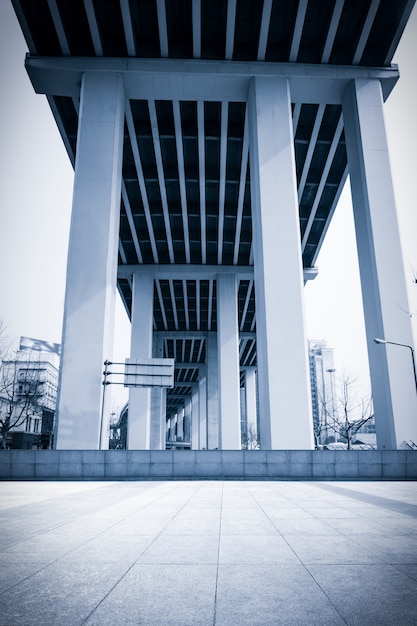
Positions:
(414, 366)
(403, 345)
(331, 371)
(105, 383)
(322, 406)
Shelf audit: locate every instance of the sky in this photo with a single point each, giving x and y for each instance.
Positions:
(36, 181)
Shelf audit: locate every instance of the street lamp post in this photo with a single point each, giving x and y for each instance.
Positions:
(331, 371)
(403, 345)
(323, 408)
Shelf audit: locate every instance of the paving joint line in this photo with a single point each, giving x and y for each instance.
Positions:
(218, 558)
(299, 559)
(142, 553)
(46, 565)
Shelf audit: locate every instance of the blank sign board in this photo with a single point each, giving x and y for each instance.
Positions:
(149, 373)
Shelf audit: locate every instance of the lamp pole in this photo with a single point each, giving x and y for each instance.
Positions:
(106, 382)
(331, 371)
(403, 345)
(323, 408)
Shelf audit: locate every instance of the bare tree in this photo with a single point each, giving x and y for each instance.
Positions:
(320, 426)
(250, 440)
(20, 394)
(5, 344)
(350, 413)
(324, 423)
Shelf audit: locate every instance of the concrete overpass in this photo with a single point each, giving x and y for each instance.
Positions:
(211, 142)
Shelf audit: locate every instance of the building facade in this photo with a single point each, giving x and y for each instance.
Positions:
(211, 142)
(323, 392)
(28, 394)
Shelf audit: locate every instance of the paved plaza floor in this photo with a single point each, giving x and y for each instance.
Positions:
(208, 553)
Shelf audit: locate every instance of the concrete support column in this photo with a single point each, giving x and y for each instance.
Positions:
(228, 351)
(158, 405)
(158, 418)
(163, 418)
(381, 267)
(187, 420)
(180, 424)
(284, 383)
(250, 397)
(87, 339)
(173, 427)
(195, 420)
(212, 392)
(138, 428)
(202, 408)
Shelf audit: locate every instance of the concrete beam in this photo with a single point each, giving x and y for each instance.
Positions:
(198, 272)
(194, 79)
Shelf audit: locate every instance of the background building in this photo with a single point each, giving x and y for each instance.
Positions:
(118, 430)
(335, 399)
(323, 390)
(28, 393)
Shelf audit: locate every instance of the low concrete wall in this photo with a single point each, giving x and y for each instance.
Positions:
(208, 464)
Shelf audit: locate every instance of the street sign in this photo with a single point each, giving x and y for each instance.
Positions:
(149, 372)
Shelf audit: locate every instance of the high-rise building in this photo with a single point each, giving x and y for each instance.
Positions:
(323, 391)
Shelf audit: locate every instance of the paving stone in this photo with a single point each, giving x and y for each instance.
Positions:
(242, 549)
(267, 595)
(378, 593)
(193, 549)
(151, 595)
(59, 594)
